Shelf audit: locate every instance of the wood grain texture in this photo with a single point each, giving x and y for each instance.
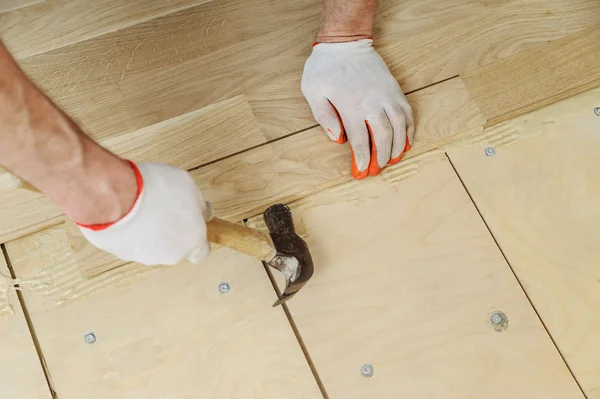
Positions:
(476, 40)
(406, 278)
(49, 25)
(538, 77)
(146, 46)
(187, 141)
(539, 195)
(7, 5)
(22, 374)
(232, 345)
(288, 169)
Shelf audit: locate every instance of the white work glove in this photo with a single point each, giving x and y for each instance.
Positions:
(352, 82)
(166, 224)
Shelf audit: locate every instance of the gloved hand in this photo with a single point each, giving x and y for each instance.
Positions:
(166, 224)
(353, 94)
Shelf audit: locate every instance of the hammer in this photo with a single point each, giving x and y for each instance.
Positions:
(281, 249)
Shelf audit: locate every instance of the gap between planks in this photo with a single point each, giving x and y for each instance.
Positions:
(32, 332)
(302, 131)
(515, 275)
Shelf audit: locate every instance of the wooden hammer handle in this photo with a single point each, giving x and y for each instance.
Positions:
(235, 236)
(241, 239)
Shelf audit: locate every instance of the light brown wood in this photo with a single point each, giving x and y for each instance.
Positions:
(406, 279)
(52, 24)
(308, 162)
(7, 5)
(22, 375)
(240, 238)
(540, 196)
(538, 77)
(161, 332)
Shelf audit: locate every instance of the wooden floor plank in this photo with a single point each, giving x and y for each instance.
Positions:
(52, 24)
(539, 195)
(7, 5)
(308, 162)
(474, 41)
(22, 375)
(186, 141)
(406, 279)
(161, 332)
(538, 77)
(269, 74)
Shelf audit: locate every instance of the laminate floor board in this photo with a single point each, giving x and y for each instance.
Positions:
(7, 5)
(532, 79)
(52, 24)
(539, 195)
(22, 375)
(308, 162)
(471, 42)
(406, 279)
(162, 332)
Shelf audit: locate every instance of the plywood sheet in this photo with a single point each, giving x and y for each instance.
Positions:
(541, 76)
(406, 279)
(161, 332)
(52, 24)
(186, 141)
(309, 162)
(22, 375)
(539, 194)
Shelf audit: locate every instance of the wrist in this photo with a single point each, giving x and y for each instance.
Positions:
(347, 20)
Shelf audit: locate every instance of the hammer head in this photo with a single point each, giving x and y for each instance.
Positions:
(292, 259)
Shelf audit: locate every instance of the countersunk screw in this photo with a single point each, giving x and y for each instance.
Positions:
(367, 370)
(489, 151)
(497, 318)
(224, 288)
(597, 111)
(90, 338)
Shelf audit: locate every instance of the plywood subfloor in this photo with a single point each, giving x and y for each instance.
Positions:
(407, 283)
(213, 87)
(540, 195)
(22, 375)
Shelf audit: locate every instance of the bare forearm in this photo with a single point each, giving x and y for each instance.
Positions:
(347, 20)
(42, 145)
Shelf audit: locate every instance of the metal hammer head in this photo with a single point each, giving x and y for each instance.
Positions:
(292, 259)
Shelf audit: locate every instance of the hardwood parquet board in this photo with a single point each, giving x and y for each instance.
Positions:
(186, 141)
(269, 74)
(52, 24)
(530, 80)
(22, 375)
(406, 278)
(7, 5)
(146, 46)
(232, 345)
(308, 162)
(499, 33)
(539, 195)
(236, 69)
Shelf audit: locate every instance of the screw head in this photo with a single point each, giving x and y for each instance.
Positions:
(224, 288)
(497, 318)
(90, 338)
(367, 370)
(597, 111)
(489, 151)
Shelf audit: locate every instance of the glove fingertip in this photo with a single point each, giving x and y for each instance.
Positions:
(356, 173)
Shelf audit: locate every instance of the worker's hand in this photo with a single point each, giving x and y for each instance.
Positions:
(353, 94)
(166, 224)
